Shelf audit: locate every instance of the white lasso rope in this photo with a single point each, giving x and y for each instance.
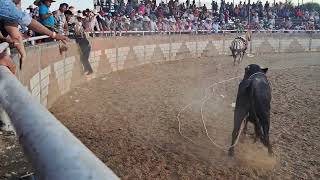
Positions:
(203, 100)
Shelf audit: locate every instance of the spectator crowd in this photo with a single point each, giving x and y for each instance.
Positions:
(173, 16)
(146, 15)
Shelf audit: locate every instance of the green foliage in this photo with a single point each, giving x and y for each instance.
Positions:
(311, 6)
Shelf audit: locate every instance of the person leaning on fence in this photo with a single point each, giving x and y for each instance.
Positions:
(9, 32)
(84, 45)
(46, 17)
(10, 13)
(61, 25)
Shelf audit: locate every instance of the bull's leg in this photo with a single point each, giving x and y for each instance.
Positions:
(264, 119)
(245, 128)
(239, 115)
(256, 132)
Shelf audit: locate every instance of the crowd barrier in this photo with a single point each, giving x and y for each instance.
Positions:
(46, 75)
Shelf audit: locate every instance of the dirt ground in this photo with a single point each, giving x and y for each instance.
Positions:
(130, 120)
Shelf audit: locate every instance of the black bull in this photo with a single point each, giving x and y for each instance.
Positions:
(253, 103)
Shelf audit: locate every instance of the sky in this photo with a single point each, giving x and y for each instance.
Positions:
(78, 4)
(84, 4)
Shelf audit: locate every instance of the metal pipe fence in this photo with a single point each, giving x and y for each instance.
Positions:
(54, 152)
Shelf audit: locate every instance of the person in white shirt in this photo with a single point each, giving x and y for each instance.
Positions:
(216, 27)
(153, 26)
(94, 22)
(208, 24)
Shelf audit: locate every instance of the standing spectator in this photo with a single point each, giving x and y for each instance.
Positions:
(9, 12)
(31, 10)
(70, 20)
(35, 14)
(61, 25)
(255, 19)
(236, 11)
(226, 16)
(46, 17)
(266, 6)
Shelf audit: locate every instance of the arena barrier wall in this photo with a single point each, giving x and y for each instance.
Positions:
(47, 74)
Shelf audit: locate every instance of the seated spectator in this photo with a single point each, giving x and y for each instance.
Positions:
(208, 24)
(146, 24)
(272, 22)
(172, 24)
(216, 27)
(153, 25)
(126, 24)
(288, 23)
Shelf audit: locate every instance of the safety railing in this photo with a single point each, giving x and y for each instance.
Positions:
(54, 152)
(32, 40)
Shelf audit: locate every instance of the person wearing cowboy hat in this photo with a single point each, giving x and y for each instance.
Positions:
(208, 24)
(30, 8)
(37, 2)
(84, 45)
(32, 12)
(46, 17)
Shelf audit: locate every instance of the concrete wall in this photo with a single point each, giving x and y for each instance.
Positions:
(48, 74)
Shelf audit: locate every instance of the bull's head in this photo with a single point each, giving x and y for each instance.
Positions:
(249, 71)
(252, 69)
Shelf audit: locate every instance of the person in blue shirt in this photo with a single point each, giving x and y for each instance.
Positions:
(10, 15)
(9, 12)
(46, 17)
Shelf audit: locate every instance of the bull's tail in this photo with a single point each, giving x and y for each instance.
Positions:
(238, 137)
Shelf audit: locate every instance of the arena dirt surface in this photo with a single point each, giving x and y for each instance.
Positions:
(129, 120)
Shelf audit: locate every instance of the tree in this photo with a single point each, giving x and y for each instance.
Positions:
(310, 6)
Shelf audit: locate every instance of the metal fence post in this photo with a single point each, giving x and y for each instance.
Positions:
(310, 41)
(53, 150)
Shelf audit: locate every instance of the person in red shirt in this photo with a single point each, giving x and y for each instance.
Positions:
(299, 13)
